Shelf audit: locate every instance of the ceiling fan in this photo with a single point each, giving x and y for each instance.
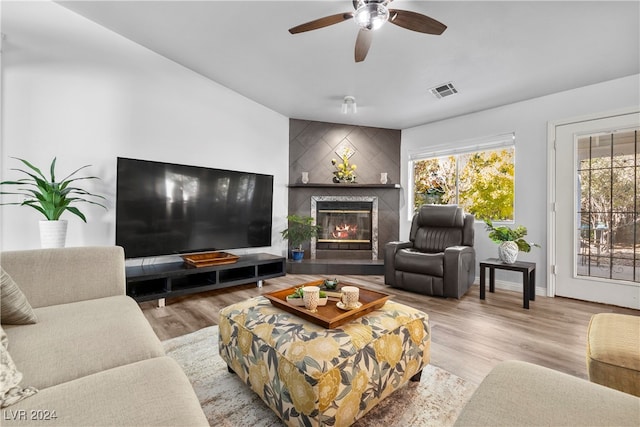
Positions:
(370, 15)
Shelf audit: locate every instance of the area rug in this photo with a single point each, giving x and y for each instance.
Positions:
(227, 402)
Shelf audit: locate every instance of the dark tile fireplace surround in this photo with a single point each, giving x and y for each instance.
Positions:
(357, 219)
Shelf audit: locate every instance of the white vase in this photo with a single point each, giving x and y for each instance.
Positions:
(508, 252)
(53, 234)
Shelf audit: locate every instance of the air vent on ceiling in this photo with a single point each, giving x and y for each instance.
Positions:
(443, 90)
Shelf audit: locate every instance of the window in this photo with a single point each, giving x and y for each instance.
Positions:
(479, 177)
(608, 185)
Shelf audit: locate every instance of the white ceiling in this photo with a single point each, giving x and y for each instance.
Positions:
(495, 53)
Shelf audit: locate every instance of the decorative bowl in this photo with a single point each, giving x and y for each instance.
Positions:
(330, 283)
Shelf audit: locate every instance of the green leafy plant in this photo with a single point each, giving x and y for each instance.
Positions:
(301, 229)
(507, 234)
(298, 293)
(48, 196)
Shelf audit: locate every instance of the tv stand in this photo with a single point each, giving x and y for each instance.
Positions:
(160, 281)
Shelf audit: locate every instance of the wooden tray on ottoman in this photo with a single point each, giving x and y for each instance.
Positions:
(329, 316)
(209, 259)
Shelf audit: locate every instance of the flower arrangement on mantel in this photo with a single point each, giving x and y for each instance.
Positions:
(344, 172)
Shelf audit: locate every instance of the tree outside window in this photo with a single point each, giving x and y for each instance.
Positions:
(435, 181)
(481, 181)
(609, 222)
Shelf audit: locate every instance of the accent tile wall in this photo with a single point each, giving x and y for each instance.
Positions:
(312, 145)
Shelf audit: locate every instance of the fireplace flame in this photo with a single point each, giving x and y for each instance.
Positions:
(345, 231)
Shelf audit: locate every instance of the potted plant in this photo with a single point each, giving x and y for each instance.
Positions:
(301, 229)
(297, 298)
(51, 198)
(510, 240)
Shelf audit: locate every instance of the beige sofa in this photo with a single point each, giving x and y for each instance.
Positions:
(92, 354)
(522, 394)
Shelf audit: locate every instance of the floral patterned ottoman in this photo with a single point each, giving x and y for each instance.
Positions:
(312, 376)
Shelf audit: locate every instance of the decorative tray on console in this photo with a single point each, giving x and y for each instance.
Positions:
(210, 258)
(329, 316)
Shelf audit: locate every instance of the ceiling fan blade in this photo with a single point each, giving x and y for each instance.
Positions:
(416, 22)
(321, 23)
(363, 43)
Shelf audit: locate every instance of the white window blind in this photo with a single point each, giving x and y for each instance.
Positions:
(462, 147)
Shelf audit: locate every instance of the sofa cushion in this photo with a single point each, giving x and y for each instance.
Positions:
(420, 262)
(10, 390)
(63, 275)
(81, 338)
(523, 394)
(145, 393)
(14, 307)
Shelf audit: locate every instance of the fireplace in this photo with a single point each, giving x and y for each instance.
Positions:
(345, 225)
(349, 227)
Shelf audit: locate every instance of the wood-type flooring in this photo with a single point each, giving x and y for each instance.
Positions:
(468, 336)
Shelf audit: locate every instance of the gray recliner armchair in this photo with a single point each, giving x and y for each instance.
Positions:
(439, 258)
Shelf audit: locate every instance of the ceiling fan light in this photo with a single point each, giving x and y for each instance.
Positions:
(371, 16)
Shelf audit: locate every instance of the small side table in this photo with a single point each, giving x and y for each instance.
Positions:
(528, 270)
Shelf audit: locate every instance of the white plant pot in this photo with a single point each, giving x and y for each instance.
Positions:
(53, 234)
(508, 252)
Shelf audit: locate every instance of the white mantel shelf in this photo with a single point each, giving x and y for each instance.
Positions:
(344, 185)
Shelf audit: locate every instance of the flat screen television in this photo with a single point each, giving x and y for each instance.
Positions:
(164, 208)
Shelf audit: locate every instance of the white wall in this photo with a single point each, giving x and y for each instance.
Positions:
(78, 91)
(528, 120)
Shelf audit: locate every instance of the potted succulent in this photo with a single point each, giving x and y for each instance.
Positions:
(51, 198)
(297, 298)
(301, 229)
(510, 240)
